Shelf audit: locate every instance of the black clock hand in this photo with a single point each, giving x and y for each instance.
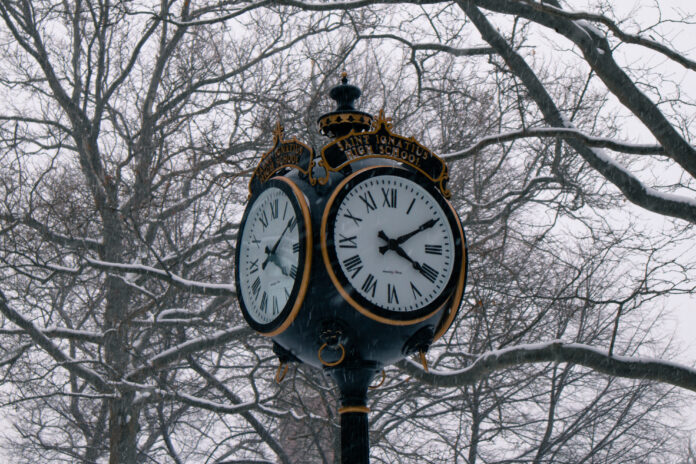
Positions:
(400, 251)
(275, 260)
(424, 226)
(271, 251)
(383, 236)
(392, 244)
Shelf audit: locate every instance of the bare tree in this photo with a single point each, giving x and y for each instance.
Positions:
(128, 135)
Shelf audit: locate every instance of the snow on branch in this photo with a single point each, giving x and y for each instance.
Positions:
(564, 132)
(632, 188)
(560, 352)
(61, 332)
(149, 392)
(200, 288)
(182, 350)
(37, 335)
(78, 243)
(598, 55)
(616, 30)
(471, 51)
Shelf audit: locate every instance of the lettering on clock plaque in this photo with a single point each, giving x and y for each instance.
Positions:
(382, 143)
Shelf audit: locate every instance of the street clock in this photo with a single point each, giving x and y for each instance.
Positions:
(391, 244)
(273, 257)
(352, 259)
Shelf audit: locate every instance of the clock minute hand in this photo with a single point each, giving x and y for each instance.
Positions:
(271, 251)
(424, 226)
(400, 251)
(394, 245)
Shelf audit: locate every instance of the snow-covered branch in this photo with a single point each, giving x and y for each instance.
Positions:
(632, 188)
(470, 51)
(200, 288)
(598, 55)
(616, 30)
(562, 132)
(79, 243)
(53, 350)
(560, 352)
(185, 349)
(61, 332)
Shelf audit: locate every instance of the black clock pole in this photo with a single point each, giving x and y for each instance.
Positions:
(355, 440)
(353, 383)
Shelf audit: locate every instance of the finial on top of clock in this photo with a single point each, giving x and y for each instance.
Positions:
(345, 118)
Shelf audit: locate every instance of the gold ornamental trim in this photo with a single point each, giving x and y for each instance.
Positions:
(284, 154)
(341, 118)
(448, 317)
(332, 275)
(346, 409)
(304, 282)
(381, 142)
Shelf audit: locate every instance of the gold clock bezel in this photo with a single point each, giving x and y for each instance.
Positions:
(367, 312)
(277, 327)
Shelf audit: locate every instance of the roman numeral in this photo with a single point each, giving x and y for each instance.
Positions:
(287, 293)
(369, 201)
(275, 209)
(264, 302)
(293, 271)
(264, 220)
(389, 197)
(353, 264)
(285, 210)
(347, 242)
(355, 219)
(275, 305)
(415, 291)
(255, 287)
(370, 284)
(254, 266)
(292, 224)
(410, 206)
(391, 294)
(296, 247)
(433, 249)
(428, 272)
(255, 241)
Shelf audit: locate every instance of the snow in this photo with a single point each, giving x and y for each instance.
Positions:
(535, 347)
(142, 269)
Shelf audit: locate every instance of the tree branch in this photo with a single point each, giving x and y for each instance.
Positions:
(560, 352)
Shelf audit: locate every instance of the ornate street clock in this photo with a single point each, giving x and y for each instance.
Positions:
(353, 259)
(391, 244)
(273, 256)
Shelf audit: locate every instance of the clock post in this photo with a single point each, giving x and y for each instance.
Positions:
(351, 260)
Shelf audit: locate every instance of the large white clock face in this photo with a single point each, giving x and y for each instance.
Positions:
(393, 242)
(270, 256)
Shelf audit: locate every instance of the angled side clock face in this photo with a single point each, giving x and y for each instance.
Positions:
(273, 256)
(392, 245)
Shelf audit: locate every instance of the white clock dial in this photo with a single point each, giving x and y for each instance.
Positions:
(270, 256)
(394, 243)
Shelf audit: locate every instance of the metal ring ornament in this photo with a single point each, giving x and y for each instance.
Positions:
(381, 382)
(335, 363)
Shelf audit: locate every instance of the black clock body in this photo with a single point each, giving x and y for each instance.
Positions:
(328, 331)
